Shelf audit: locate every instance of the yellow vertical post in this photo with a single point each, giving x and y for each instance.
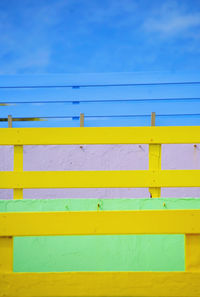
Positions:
(192, 252)
(6, 254)
(17, 162)
(154, 160)
(18, 167)
(82, 120)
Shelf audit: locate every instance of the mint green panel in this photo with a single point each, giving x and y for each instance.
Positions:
(99, 253)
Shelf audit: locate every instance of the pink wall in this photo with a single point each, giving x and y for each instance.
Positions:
(110, 157)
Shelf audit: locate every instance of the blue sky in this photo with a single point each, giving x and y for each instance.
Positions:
(59, 36)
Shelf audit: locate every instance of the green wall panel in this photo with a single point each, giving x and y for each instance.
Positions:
(99, 253)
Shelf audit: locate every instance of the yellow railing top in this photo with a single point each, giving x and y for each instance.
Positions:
(100, 222)
(99, 135)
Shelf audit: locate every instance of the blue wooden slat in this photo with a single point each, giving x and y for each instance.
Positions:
(137, 101)
(115, 108)
(98, 78)
(185, 120)
(94, 94)
(40, 124)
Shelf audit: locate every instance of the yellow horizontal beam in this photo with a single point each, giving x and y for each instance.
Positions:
(99, 135)
(118, 284)
(100, 222)
(176, 178)
(75, 179)
(99, 179)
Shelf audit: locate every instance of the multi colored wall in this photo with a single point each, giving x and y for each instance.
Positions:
(115, 99)
(106, 100)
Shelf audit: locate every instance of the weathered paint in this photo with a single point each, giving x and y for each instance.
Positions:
(99, 253)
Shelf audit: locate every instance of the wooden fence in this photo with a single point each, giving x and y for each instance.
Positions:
(106, 100)
(56, 284)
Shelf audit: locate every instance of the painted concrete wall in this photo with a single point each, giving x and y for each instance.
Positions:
(100, 253)
(116, 157)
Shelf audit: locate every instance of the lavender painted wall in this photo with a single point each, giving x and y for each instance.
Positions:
(104, 157)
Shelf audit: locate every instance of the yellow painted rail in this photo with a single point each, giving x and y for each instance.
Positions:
(100, 179)
(154, 178)
(99, 135)
(100, 222)
(187, 222)
(100, 283)
(159, 284)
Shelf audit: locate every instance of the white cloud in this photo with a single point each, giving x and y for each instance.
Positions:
(25, 42)
(171, 20)
(104, 13)
(28, 38)
(30, 61)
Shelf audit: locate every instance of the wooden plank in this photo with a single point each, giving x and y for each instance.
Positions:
(137, 121)
(82, 120)
(192, 252)
(142, 92)
(6, 254)
(102, 109)
(153, 119)
(18, 167)
(99, 179)
(155, 164)
(76, 179)
(93, 79)
(9, 121)
(18, 158)
(177, 178)
(100, 222)
(112, 135)
(18, 162)
(115, 284)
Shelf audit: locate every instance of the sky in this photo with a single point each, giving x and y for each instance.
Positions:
(84, 36)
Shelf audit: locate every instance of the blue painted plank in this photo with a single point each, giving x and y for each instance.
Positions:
(98, 79)
(184, 120)
(106, 108)
(175, 97)
(42, 124)
(102, 94)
